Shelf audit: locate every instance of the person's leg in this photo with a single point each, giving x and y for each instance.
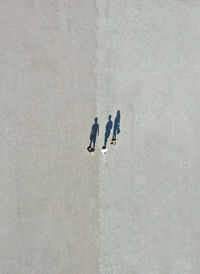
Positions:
(114, 133)
(108, 135)
(105, 140)
(94, 142)
(90, 142)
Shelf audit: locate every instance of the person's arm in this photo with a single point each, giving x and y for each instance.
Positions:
(98, 130)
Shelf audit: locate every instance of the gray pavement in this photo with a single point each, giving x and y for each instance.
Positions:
(148, 67)
(49, 187)
(134, 211)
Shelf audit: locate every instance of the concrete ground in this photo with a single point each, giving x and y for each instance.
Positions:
(148, 67)
(63, 210)
(49, 187)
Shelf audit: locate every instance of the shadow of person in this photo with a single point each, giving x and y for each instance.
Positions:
(116, 129)
(93, 135)
(109, 126)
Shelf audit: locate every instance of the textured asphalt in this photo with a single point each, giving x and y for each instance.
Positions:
(135, 210)
(148, 68)
(49, 190)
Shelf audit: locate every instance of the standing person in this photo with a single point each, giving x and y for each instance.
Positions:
(93, 135)
(109, 126)
(116, 129)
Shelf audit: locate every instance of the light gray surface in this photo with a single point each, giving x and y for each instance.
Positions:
(49, 191)
(148, 67)
(134, 211)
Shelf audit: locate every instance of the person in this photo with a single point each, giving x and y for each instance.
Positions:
(116, 129)
(93, 135)
(109, 126)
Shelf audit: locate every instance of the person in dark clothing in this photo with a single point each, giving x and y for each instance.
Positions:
(93, 135)
(109, 126)
(116, 129)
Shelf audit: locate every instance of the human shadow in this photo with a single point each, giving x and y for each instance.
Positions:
(116, 128)
(109, 126)
(93, 135)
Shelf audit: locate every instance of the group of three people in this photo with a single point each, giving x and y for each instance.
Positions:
(109, 126)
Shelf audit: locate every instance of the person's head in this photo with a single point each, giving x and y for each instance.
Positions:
(109, 117)
(118, 113)
(96, 120)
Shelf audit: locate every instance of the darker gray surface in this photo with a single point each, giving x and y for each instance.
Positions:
(48, 195)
